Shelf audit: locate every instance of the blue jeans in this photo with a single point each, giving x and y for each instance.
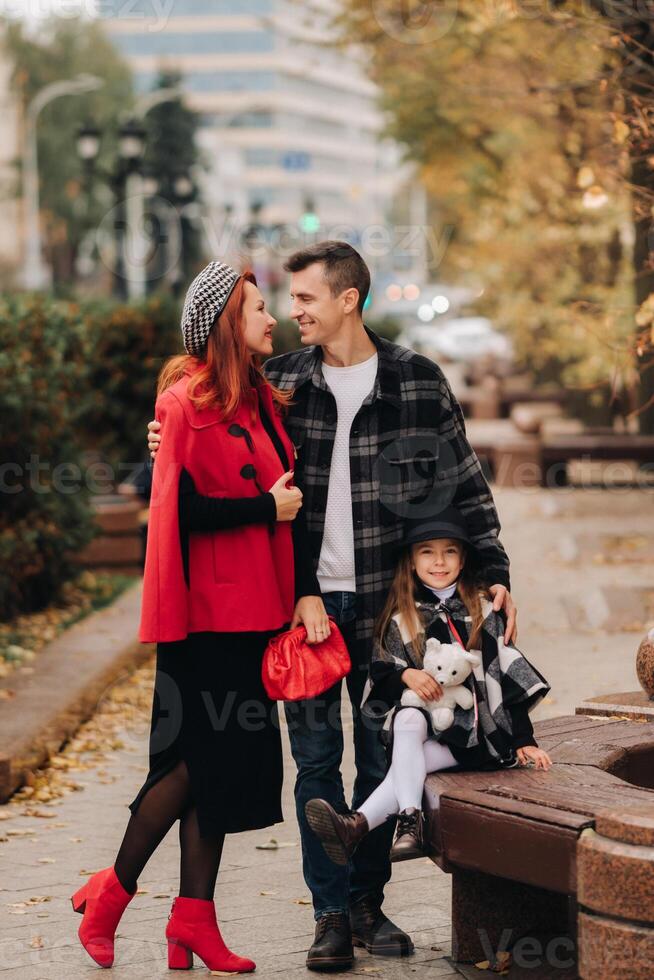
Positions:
(316, 736)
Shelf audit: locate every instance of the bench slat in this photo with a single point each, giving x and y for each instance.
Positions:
(584, 800)
(508, 846)
(570, 723)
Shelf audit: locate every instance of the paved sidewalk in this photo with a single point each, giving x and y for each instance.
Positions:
(263, 903)
(72, 821)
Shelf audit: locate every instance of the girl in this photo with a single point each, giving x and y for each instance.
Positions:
(226, 561)
(437, 593)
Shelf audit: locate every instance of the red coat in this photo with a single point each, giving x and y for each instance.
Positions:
(240, 579)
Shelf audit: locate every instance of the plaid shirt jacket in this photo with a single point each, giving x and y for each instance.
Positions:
(409, 458)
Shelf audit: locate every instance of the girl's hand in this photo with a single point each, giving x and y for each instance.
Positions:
(531, 753)
(423, 684)
(288, 500)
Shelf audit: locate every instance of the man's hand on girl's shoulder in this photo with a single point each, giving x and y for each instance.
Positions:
(154, 438)
(502, 601)
(531, 753)
(424, 685)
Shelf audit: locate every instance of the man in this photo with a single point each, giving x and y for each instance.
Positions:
(380, 437)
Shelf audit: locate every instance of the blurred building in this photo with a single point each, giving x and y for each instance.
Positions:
(290, 125)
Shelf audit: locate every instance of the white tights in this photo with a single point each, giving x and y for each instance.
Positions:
(414, 755)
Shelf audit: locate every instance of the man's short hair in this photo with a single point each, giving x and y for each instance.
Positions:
(344, 267)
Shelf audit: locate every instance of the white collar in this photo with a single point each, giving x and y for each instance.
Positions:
(443, 594)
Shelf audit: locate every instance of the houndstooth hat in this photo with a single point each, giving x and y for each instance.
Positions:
(205, 300)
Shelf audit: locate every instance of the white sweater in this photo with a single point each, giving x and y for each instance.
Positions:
(350, 386)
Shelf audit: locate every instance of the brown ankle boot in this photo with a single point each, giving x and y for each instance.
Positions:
(409, 837)
(339, 833)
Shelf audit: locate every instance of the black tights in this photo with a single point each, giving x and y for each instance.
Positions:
(167, 801)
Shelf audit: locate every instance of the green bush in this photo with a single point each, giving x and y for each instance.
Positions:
(45, 514)
(128, 346)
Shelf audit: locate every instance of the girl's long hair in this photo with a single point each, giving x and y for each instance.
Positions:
(227, 375)
(401, 600)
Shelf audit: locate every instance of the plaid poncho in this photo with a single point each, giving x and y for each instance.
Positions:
(507, 686)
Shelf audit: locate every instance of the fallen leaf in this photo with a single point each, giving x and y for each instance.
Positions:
(437, 949)
(268, 893)
(161, 896)
(47, 861)
(301, 901)
(37, 942)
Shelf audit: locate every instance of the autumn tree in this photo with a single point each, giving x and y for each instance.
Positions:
(72, 205)
(522, 122)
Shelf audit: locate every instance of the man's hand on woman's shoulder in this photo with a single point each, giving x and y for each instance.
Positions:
(154, 438)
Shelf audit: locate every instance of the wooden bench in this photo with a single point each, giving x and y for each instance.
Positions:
(515, 458)
(597, 444)
(534, 852)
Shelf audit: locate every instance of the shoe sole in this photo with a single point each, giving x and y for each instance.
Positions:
(331, 964)
(407, 856)
(320, 820)
(394, 949)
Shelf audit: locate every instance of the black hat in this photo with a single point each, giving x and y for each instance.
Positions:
(449, 523)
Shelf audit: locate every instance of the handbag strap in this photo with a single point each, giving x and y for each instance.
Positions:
(455, 633)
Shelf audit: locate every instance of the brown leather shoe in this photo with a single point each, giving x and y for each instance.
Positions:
(409, 837)
(339, 833)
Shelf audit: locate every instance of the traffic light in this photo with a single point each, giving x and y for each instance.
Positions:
(310, 222)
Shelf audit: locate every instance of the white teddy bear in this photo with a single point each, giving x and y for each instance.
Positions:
(450, 665)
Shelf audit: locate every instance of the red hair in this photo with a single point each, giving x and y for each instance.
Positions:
(225, 379)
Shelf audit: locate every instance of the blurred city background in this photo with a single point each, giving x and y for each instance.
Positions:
(493, 161)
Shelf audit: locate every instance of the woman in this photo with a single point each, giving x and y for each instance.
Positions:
(223, 558)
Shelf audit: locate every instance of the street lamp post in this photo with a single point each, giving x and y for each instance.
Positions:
(130, 186)
(35, 272)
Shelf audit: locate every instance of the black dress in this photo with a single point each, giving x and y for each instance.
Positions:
(210, 707)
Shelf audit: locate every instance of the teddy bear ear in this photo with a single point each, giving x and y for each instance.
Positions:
(472, 658)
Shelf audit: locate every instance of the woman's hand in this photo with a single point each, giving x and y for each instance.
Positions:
(287, 499)
(153, 437)
(311, 613)
(424, 685)
(531, 753)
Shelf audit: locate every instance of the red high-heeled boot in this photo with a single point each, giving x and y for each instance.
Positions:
(102, 901)
(192, 928)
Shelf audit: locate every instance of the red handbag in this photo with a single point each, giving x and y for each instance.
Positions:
(294, 670)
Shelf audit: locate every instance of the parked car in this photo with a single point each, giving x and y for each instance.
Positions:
(462, 339)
